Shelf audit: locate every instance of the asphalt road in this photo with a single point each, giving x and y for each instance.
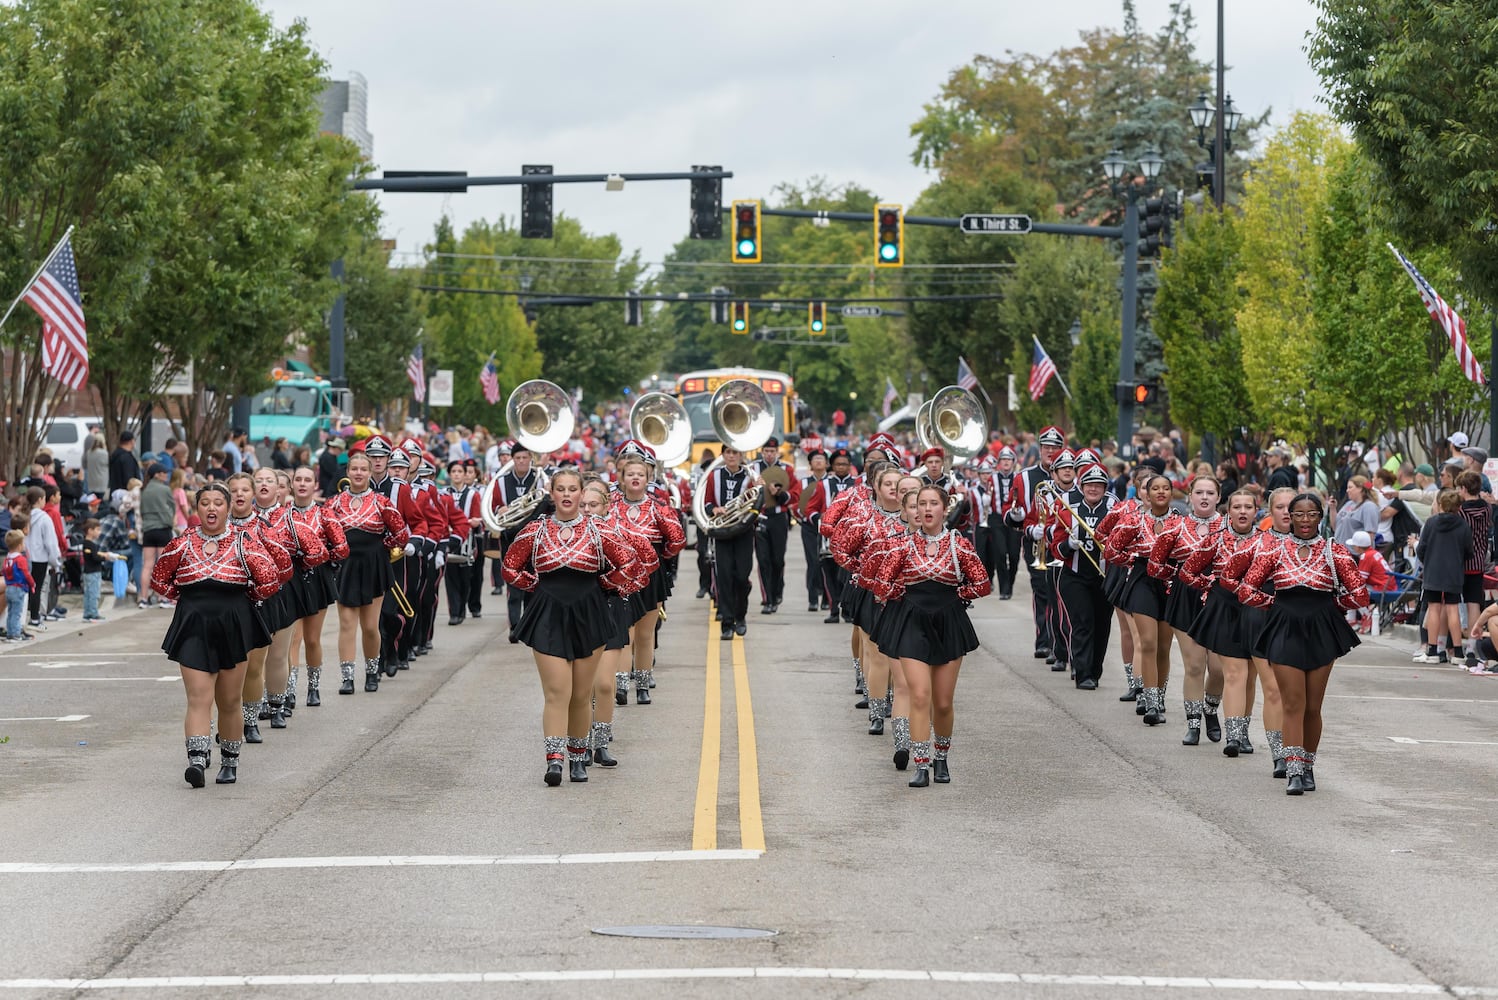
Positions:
(402, 843)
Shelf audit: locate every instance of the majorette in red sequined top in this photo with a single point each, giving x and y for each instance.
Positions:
(645, 559)
(1133, 537)
(325, 526)
(307, 548)
(1174, 545)
(858, 533)
(272, 538)
(906, 559)
(233, 557)
(846, 502)
(546, 545)
(370, 512)
(1292, 564)
(1207, 564)
(656, 521)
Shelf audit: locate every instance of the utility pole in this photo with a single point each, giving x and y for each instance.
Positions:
(1130, 317)
(1220, 145)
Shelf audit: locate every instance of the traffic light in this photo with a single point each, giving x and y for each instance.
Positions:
(1154, 227)
(740, 321)
(1146, 394)
(816, 318)
(746, 247)
(707, 206)
(720, 304)
(889, 235)
(632, 312)
(535, 206)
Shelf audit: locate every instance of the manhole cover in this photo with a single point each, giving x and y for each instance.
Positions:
(684, 931)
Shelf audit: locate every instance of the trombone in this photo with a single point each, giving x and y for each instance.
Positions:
(1042, 490)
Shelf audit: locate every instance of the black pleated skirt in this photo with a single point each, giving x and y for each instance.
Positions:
(1142, 594)
(313, 590)
(928, 624)
(279, 611)
(1182, 605)
(862, 607)
(1304, 629)
(214, 627)
(1222, 625)
(365, 574)
(1113, 583)
(566, 616)
(621, 617)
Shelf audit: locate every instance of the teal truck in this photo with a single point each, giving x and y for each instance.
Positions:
(300, 408)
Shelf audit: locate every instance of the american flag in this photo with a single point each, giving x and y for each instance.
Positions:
(417, 373)
(489, 379)
(1042, 370)
(55, 296)
(1454, 325)
(965, 377)
(891, 394)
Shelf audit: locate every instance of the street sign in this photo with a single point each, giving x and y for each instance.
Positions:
(440, 388)
(994, 225)
(865, 312)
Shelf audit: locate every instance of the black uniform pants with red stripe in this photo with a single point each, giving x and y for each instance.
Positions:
(1089, 618)
(770, 537)
(811, 546)
(1040, 598)
(1004, 541)
(734, 558)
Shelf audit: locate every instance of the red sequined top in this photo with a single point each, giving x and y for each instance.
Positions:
(325, 527)
(1209, 562)
(905, 559)
(545, 545)
(1322, 565)
(307, 548)
(849, 500)
(859, 535)
(1174, 545)
(234, 557)
(656, 521)
(272, 538)
(369, 512)
(1133, 536)
(645, 559)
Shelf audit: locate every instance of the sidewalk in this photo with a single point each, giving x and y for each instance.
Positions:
(113, 609)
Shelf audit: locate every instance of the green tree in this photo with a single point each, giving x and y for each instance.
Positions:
(1415, 83)
(182, 142)
(1094, 366)
(1195, 316)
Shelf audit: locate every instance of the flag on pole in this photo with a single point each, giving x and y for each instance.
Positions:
(1454, 325)
(891, 394)
(965, 377)
(489, 379)
(1042, 370)
(55, 297)
(417, 373)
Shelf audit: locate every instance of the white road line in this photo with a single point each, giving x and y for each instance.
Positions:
(75, 680)
(73, 656)
(49, 718)
(1454, 743)
(1401, 697)
(373, 861)
(761, 972)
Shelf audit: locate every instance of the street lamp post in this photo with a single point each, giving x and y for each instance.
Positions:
(1115, 168)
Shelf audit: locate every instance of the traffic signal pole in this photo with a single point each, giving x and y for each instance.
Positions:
(1126, 339)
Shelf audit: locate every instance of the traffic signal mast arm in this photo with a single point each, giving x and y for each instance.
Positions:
(1054, 228)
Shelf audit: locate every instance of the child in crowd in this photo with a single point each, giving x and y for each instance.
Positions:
(18, 582)
(95, 557)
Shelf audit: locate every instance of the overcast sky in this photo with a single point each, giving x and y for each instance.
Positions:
(830, 90)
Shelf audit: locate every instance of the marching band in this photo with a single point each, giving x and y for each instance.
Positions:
(590, 562)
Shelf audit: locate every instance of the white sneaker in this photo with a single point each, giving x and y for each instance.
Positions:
(129, 588)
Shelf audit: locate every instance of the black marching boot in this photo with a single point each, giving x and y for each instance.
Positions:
(1131, 693)
(577, 757)
(902, 742)
(371, 674)
(1193, 735)
(602, 735)
(621, 689)
(252, 724)
(1309, 780)
(198, 749)
(876, 716)
(1295, 771)
(939, 772)
(920, 752)
(1211, 721)
(228, 753)
(346, 669)
(314, 678)
(556, 754)
(642, 687)
(277, 712)
(288, 704)
(1154, 706)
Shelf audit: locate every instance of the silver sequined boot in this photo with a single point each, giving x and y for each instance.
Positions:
(251, 711)
(621, 688)
(876, 716)
(1276, 740)
(642, 687)
(857, 676)
(1154, 706)
(920, 755)
(314, 679)
(1212, 719)
(288, 703)
(198, 750)
(1295, 770)
(600, 737)
(371, 673)
(556, 756)
(1237, 726)
(1310, 777)
(228, 772)
(1194, 711)
(346, 670)
(1131, 685)
(902, 741)
(577, 758)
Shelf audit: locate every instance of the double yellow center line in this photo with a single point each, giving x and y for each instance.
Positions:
(705, 816)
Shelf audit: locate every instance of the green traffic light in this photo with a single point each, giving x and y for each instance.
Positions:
(746, 248)
(816, 326)
(889, 251)
(739, 324)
